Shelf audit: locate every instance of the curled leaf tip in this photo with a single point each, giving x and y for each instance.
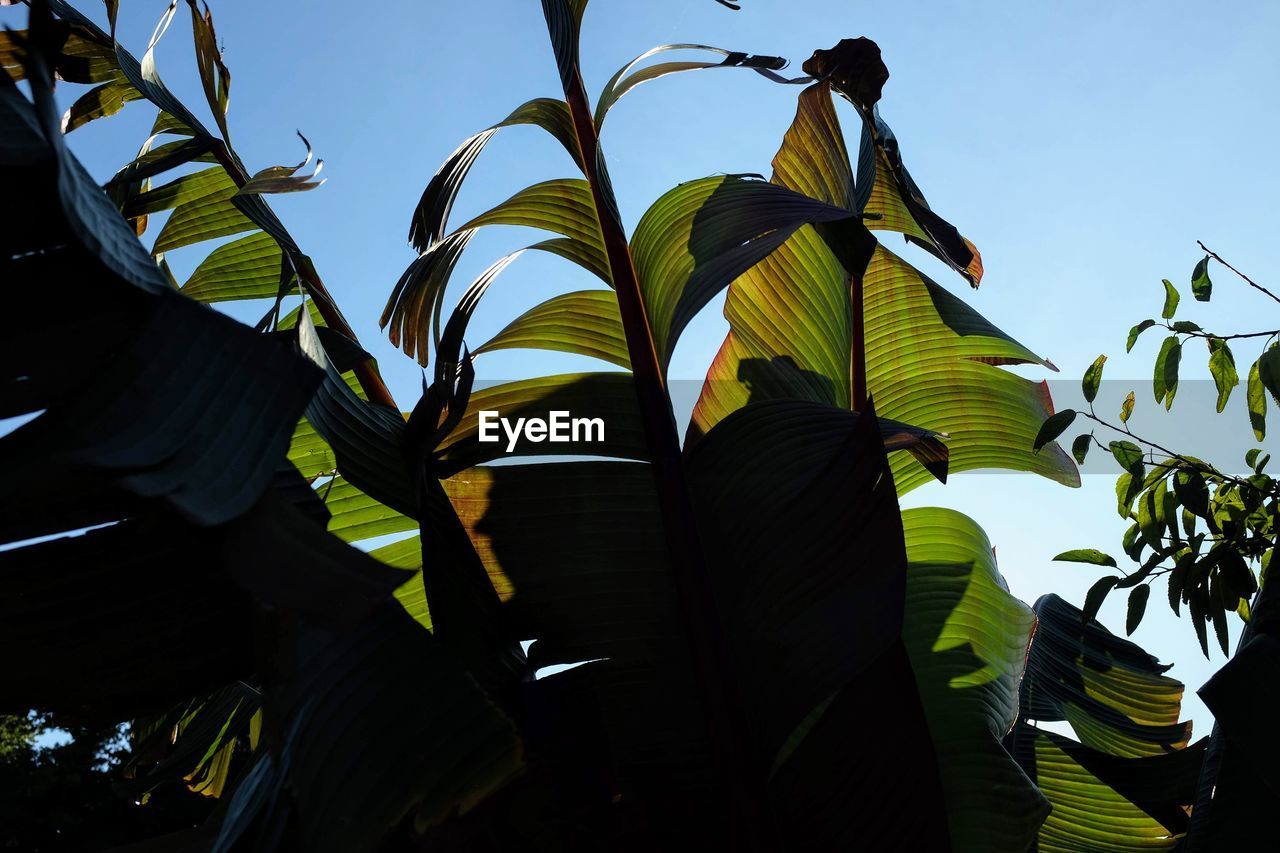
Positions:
(854, 68)
(730, 5)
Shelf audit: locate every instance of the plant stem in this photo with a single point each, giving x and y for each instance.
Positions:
(1246, 278)
(750, 826)
(858, 350)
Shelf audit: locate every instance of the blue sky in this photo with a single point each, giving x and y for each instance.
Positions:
(1083, 147)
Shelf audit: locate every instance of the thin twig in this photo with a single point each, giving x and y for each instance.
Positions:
(1246, 278)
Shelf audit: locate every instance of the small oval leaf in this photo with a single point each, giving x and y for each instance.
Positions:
(1136, 331)
(1092, 377)
(1054, 426)
(1137, 606)
(1092, 556)
(1171, 299)
(1096, 595)
(1201, 286)
(1080, 447)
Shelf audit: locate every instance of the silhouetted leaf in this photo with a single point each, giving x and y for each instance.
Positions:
(1054, 426)
(1096, 595)
(1137, 606)
(625, 79)
(431, 216)
(365, 746)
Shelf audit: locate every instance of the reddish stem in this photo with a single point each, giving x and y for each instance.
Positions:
(750, 825)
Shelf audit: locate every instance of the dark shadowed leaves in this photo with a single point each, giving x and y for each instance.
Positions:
(1054, 426)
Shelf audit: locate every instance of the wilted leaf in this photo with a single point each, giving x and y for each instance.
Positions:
(624, 80)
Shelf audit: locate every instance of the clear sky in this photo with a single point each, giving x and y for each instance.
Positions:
(1083, 147)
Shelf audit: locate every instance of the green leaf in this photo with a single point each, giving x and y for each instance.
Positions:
(356, 516)
(967, 639)
(891, 200)
(1092, 377)
(1128, 782)
(1114, 694)
(1128, 487)
(585, 322)
(562, 206)
(310, 453)
(366, 439)
(99, 102)
(1137, 606)
(204, 217)
(1269, 371)
(1151, 518)
(248, 268)
(412, 594)
(1128, 454)
(1257, 400)
(1086, 555)
(701, 235)
(1054, 426)
(1135, 332)
(1201, 286)
(792, 318)
(1170, 300)
(1165, 378)
(1080, 447)
(1222, 366)
(1126, 408)
(1096, 595)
